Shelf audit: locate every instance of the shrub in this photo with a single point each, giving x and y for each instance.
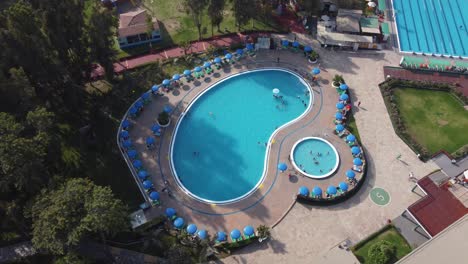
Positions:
(313, 55)
(163, 118)
(382, 252)
(338, 79)
(263, 232)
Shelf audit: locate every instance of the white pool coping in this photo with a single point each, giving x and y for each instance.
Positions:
(265, 163)
(311, 175)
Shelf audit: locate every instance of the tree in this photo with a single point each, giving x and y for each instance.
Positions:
(215, 11)
(242, 12)
(40, 119)
(312, 7)
(63, 217)
(195, 9)
(381, 252)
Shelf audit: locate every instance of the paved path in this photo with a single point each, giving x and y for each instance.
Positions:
(17, 251)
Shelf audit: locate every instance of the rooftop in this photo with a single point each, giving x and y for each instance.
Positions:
(134, 23)
(348, 20)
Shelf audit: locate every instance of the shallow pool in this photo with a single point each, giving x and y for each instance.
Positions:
(220, 144)
(315, 157)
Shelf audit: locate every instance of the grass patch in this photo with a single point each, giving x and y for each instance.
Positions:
(435, 119)
(352, 127)
(389, 234)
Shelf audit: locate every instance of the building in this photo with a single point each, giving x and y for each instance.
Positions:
(134, 28)
(347, 21)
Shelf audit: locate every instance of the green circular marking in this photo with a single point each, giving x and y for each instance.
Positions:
(379, 196)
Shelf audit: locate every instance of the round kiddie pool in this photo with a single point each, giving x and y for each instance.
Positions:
(315, 157)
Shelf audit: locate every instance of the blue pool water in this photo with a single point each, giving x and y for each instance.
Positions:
(433, 26)
(227, 128)
(316, 157)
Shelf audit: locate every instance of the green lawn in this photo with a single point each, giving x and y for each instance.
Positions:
(390, 235)
(352, 127)
(435, 119)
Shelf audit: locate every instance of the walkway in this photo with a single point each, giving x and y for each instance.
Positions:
(17, 251)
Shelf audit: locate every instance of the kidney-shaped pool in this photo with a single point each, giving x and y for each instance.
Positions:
(220, 145)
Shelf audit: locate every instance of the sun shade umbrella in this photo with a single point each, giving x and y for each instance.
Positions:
(355, 150)
(339, 127)
(145, 96)
(338, 116)
(170, 212)
(179, 222)
(351, 138)
(250, 46)
(331, 190)
(154, 196)
(207, 64)
(124, 134)
(132, 153)
(295, 44)
(142, 174)
(317, 191)
(344, 97)
(150, 140)
(343, 86)
(276, 91)
(303, 191)
(350, 174)
(307, 48)
(133, 110)
(340, 106)
(285, 42)
(217, 60)
(248, 231)
(198, 69)
(357, 161)
(137, 164)
(239, 51)
(191, 229)
(147, 184)
(316, 71)
(166, 82)
(155, 88)
(167, 109)
(282, 167)
(139, 104)
(155, 128)
(127, 143)
(187, 72)
(176, 77)
(202, 234)
(125, 123)
(235, 234)
(221, 236)
(343, 186)
(372, 4)
(228, 56)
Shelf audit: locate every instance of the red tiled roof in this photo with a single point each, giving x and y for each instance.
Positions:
(134, 23)
(439, 209)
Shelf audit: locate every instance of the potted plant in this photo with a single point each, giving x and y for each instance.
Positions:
(163, 119)
(313, 57)
(337, 80)
(263, 233)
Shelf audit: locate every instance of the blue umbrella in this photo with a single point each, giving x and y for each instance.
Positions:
(133, 110)
(317, 191)
(124, 134)
(343, 86)
(155, 88)
(351, 138)
(357, 161)
(154, 196)
(127, 143)
(166, 82)
(307, 48)
(145, 96)
(132, 153)
(221, 236)
(285, 42)
(295, 44)
(179, 222)
(235, 234)
(343, 186)
(176, 77)
(217, 60)
(228, 56)
(150, 140)
(303, 191)
(167, 109)
(142, 174)
(207, 64)
(316, 71)
(338, 116)
(170, 212)
(339, 127)
(198, 69)
(137, 164)
(139, 104)
(191, 229)
(155, 128)
(344, 97)
(187, 72)
(248, 231)
(250, 46)
(350, 174)
(282, 166)
(331, 190)
(355, 150)
(202, 234)
(126, 123)
(339, 106)
(147, 184)
(240, 51)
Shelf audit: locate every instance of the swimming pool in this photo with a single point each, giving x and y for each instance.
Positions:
(315, 157)
(220, 145)
(432, 26)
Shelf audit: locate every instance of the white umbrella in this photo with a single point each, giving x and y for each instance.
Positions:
(372, 4)
(276, 91)
(325, 18)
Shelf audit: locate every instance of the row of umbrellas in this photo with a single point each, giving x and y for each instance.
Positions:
(295, 44)
(317, 191)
